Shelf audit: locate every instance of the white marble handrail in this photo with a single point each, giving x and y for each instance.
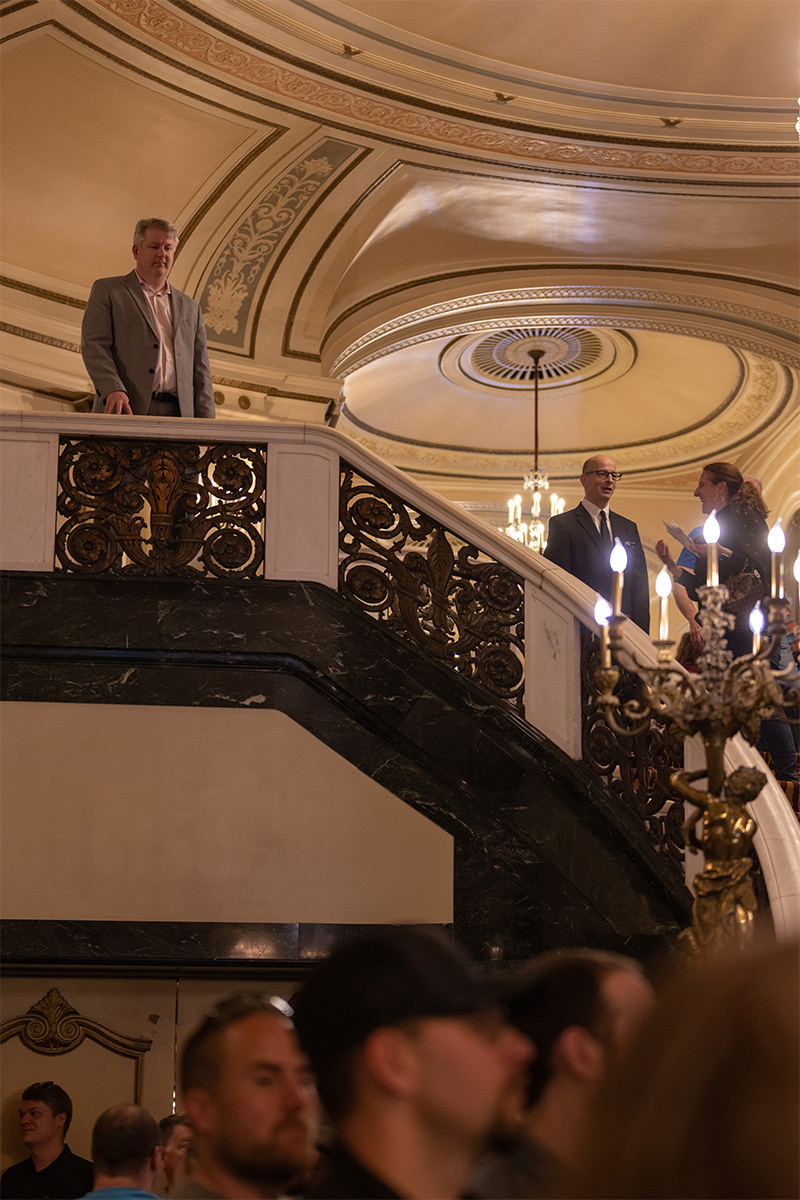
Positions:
(302, 544)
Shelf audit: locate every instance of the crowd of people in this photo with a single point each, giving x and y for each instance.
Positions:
(403, 1070)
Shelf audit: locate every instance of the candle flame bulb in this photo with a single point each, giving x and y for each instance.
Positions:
(663, 589)
(618, 561)
(796, 568)
(619, 557)
(602, 612)
(756, 620)
(711, 532)
(777, 544)
(777, 538)
(756, 625)
(663, 583)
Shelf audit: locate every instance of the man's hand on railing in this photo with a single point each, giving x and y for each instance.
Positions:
(117, 402)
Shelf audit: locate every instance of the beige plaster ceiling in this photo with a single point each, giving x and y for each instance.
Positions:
(370, 191)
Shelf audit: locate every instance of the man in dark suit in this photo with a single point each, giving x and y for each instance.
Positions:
(144, 342)
(581, 541)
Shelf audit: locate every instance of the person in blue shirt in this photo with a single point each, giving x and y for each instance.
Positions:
(126, 1148)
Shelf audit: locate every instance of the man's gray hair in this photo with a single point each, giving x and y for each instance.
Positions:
(140, 232)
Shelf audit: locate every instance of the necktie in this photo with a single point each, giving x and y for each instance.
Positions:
(605, 528)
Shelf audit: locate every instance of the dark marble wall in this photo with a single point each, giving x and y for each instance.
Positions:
(544, 855)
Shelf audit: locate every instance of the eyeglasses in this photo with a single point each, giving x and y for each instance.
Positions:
(615, 475)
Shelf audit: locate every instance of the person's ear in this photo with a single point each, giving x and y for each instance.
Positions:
(581, 1054)
(391, 1058)
(61, 1120)
(199, 1107)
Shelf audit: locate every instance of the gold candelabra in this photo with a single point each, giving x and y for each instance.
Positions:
(727, 696)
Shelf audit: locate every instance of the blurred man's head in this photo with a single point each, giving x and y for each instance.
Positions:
(125, 1144)
(45, 1113)
(577, 1006)
(406, 1040)
(250, 1096)
(176, 1139)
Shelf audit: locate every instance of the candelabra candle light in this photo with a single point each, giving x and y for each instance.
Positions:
(777, 544)
(602, 612)
(756, 625)
(711, 533)
(663, 590)
(618, 561)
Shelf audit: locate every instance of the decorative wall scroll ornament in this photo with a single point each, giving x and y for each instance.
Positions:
(728, 696)
(143, 508)
(450, 600)
(241, 266)
(52, 1026)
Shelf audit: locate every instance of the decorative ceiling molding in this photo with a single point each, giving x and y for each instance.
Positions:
(358, 353)
(761, 400)
(191, 40)
(570, 355)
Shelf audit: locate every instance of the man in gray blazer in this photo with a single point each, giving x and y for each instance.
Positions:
(144, 342)
(580, 541)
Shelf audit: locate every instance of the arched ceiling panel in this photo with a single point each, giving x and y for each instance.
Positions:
(119, 144)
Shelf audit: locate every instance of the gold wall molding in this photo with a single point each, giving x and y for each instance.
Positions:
(191, 40)
(52, 1026)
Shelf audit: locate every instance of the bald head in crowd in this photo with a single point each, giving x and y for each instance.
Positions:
(250, 1097)
(125, 1149)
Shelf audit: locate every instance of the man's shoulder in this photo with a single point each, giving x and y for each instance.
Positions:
(565, 519)
(70, 1171)
(626, 523)
(17, 1170)
(344, 1177)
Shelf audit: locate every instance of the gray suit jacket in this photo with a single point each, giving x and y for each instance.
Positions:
(119, 344)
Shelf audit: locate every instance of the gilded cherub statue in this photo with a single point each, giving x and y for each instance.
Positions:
(725, 898)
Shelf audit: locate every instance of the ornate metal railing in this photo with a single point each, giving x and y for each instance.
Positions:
(635, 769)
(431, 588)
(161, 509)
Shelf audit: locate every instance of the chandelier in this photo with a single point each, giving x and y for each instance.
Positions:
(533, 533)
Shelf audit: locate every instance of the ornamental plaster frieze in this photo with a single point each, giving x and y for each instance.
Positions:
(244, 263)
(608, 294)
(191, 40)
(748, 343)
(759, 403)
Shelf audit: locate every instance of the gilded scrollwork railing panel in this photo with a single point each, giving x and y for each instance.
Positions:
(430, 587)
(161, 509)
(636, 769)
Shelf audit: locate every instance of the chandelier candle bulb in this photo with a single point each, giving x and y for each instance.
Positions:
(602, 611)
(711, 534)
(777, 544)
(618, 561)
(663, 590)
(756, 624)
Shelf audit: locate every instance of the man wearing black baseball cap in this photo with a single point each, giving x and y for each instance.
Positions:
(416, 1066)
